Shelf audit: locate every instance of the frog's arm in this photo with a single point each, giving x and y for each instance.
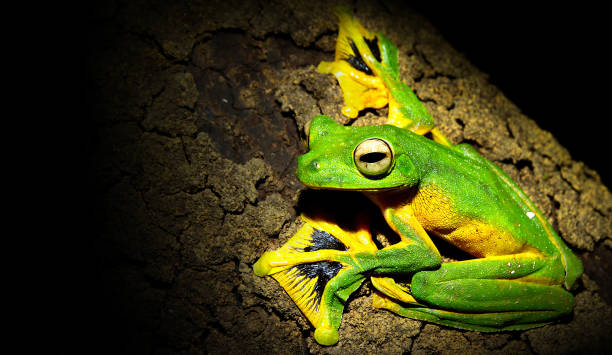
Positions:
(322, 264)
(367, 69)
(414, 252)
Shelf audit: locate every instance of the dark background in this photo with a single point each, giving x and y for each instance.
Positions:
(552, 62)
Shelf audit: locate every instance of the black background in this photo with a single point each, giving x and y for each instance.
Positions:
(552, 62)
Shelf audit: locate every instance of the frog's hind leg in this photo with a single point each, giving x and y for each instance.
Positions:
(366, 66)
(483, 322)
(319, 268)
(490, 294)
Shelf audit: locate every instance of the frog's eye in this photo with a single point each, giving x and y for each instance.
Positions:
(373, 157)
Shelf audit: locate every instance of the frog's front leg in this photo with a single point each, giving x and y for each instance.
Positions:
(322, 264)
(414, 252)
(490, 294)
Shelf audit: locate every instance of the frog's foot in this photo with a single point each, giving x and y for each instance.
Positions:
(382, 301)
(319, 268)
(355, 65)
(367, 68)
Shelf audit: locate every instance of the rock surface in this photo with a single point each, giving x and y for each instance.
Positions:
(199, 109)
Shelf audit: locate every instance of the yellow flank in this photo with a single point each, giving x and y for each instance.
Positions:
(483, 240)
(436, 214)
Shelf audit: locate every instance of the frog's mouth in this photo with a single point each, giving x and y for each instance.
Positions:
(331, 181)
(360, 189)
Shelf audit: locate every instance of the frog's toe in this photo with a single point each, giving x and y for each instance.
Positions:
(350, 112)
(392, 289)
(326, 336)
(262, 267)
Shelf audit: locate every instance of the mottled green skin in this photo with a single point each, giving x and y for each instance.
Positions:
(516, 291)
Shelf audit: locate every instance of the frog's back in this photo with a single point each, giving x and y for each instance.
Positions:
(572, 265)
(493, 215)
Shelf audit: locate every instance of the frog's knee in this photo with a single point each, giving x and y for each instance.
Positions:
(566, 303)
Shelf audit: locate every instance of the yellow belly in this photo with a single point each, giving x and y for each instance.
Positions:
(481, 240)
(436, 214)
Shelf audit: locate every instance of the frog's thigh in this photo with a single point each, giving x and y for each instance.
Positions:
(492, 285)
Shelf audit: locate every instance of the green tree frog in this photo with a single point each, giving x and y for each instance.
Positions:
(521, 269)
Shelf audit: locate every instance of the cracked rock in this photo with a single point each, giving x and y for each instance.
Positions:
(199, 110)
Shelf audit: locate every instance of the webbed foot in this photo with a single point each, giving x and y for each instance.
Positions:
(353, 66)
(367, 69)
(319, 268)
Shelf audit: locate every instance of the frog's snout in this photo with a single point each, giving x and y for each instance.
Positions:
(308, 164)
(309, 169)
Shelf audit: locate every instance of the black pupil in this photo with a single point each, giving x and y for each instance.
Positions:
(372, 157)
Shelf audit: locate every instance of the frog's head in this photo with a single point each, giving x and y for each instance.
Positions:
(355, 158)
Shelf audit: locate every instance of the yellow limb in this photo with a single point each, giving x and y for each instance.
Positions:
(389, 287)
(292, 253)
(350, 28)
(441, 138)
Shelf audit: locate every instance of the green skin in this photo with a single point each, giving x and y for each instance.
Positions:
(487, 294)
(502, 288)
(505, 292)
(410, 106)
